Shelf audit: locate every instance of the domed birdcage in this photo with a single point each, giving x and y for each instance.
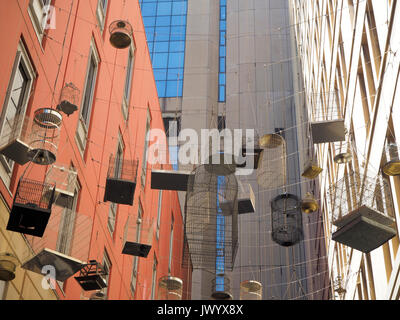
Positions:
(8, 265)
(271, 172)
(287, 225)
(69, 99)
(309, 204)
(221, 288)
(392, 165)
(170, 288)
(120, 34)
(343, 152)
(45, 136)
(211, 219)
(251, 290)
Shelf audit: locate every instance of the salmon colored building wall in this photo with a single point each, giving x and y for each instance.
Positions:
(63, 54)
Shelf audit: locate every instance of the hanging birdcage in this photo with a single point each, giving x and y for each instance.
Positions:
(339, 286)
(327, 124)
(343, 152)
(8, 265)
(120, 34)
(246, 199)
(69, 99)
(14, 140)
(98, 295)
(65, 181)
(138, 236)
(221, 164)
(170, 288)
(309, 204)
(362, 211)
(92, 276)
(121, 180)
(251, 150)
(221, 288)
(170, 179)
(211, 229)
(31, 208)
(311, 170)
(45, 136)
(271, 172)
(392, 165)
(251, 290)
(287, 225)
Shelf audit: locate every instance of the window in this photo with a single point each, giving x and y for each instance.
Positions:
(222, 52)
(128, 82)
(40, 13)
(112, 215)
(159, 210)
(171, 243)
(88, 96)
(107, 268)
(146, 146)
(135, 258)
(102, 12)
(15, 103)
(154, 279)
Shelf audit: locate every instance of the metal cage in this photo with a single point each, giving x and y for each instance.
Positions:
(121, 180)
(286, 219)
(170, 288)
(65, 181)
(120, 34)
(45, 136)
(309, 204)
(69, 99)
(221, 288)
(92, 276)
(271, 172)
(362, 211)
(31, 208)
(251, 290)
(8, 265)
(138, 236)
(392, 165)
(211, 219)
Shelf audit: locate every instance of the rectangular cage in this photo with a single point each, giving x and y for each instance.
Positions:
(64, 245)
(169, 179)
(138, 236)
(65, 180)
(92, 276)
(14, 140)
(31, 208)
(362, 212)
(121, 180)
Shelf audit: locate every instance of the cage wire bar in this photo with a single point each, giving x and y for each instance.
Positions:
(251, 290)
(271, 172)
(362, 211)
(392, 165)
(121, 180)
(138, 236)
(211, 233)
(221, 287)
(69, 99)
(65, 181)
(120, 34)
(170, 288)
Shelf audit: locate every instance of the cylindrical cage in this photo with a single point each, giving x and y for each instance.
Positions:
(342, 151)
(271, 172)
(45, 136)
(392, 165)
(120, 34)
(250, 290)
(286, 219)
(211, 219)
(170, 288)
(221, 288)
(69, 99)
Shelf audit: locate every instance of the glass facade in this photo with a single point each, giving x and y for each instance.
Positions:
(165, 24)
(222, 52)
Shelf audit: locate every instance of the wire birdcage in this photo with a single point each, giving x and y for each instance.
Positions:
(170, 288)
(211, 219)
(271, 172)
(31, 208)
(120, 34)
(121, 180)
(65, 180)
(92, 276)
(8, 266)
(311, 169)
(221, 288)
(309, 204)
(138, 236)
(392, 165)
(343, 152)
(69, 99)
(251, 290)
(286, 219)
(362, 211)
(45, 136)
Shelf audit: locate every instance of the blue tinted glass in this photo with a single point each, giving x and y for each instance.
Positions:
(172, 88)
(161, 33)
(163, 21)
(150, 34)
(176, 60)
(178, 20)
(222, 38)
(161, 46)
(222, 2)
(160, 74)
(160, 60)
(164, 8)
(222, 25)
(223, 13)
(149, 9)
(174, 74)
(222, 65)
(179, 8)
(150, 44)
(149, 21)
(222, 51)
(221, 93)
(161, 88)
(178, 33)
(175, 46)
(222, 78)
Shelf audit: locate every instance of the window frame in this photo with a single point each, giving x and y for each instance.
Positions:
(135, 258)
(101, 13)
(130, 68)
(145, 149)
(38, 11)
